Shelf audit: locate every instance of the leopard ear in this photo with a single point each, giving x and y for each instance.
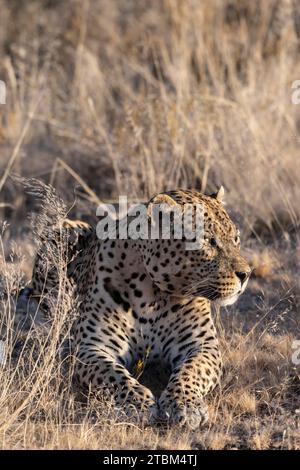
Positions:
(161, 199)
(219, 195)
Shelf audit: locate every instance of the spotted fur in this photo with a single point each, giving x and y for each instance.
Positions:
(152, 298)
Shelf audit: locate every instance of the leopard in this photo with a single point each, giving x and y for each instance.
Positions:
(150, 301)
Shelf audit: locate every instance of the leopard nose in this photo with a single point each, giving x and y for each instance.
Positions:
(242, 275)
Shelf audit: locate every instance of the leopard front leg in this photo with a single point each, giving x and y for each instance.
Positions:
(183, 399)
(98, 369)
(195, 370)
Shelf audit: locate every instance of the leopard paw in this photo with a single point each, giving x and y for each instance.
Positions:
(191, 416)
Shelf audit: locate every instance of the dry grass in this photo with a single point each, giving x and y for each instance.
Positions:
(126, 97)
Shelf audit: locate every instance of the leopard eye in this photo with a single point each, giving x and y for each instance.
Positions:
(237, 239)
(213, 242)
